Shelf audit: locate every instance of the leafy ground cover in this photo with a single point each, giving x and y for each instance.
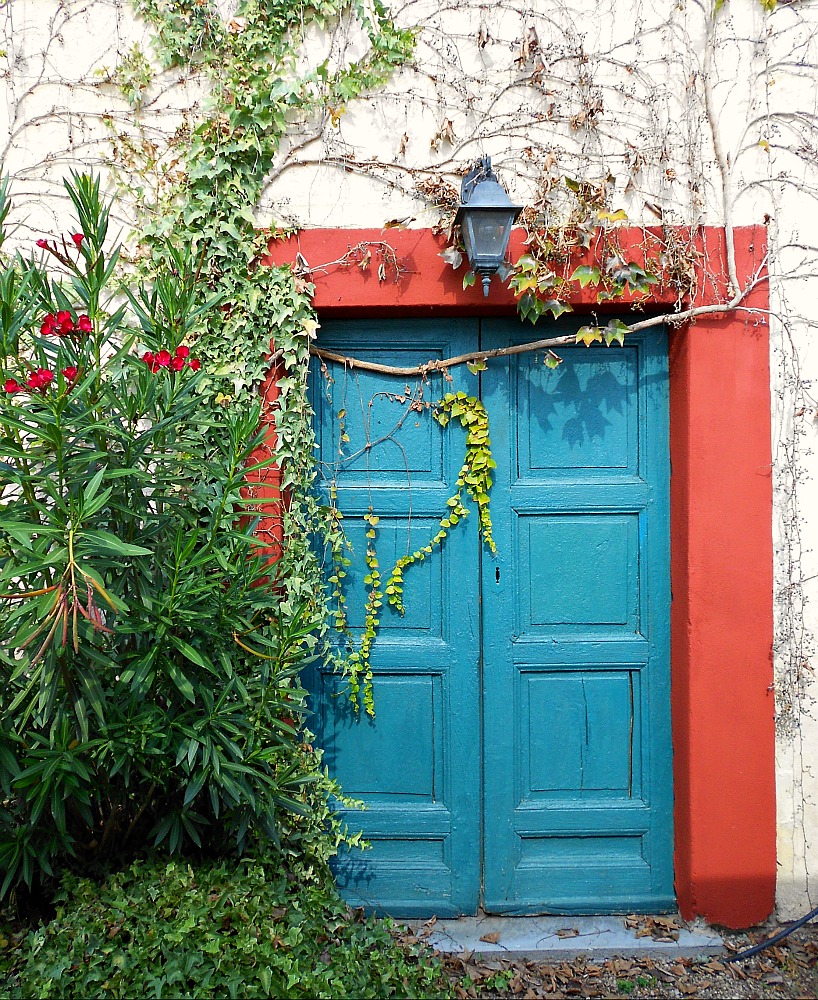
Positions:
(237, 929)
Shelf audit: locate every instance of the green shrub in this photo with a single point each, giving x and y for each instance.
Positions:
(149, 688)
(243, 930)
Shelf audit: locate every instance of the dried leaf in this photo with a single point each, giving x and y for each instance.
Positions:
(399, 223)
(492, 938)
(528, 47)
(452, 256)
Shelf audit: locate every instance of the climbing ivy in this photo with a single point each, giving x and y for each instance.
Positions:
(225, 155)
(475, 479)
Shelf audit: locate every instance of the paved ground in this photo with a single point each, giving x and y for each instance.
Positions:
(619, 957)
(557, 938)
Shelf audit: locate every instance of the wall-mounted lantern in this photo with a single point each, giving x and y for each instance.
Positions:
(485, 217)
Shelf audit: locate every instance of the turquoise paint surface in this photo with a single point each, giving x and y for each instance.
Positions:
(520, 755)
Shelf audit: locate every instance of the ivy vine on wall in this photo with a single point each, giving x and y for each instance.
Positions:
(474, 478)
(257, 89)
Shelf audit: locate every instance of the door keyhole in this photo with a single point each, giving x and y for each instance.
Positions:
(497, 574)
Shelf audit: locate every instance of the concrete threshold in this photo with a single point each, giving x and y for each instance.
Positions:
(546, 939)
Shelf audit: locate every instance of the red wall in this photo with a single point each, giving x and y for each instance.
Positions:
(721, 545)
(721, 624)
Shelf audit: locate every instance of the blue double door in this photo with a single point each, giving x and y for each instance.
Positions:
(519, 758)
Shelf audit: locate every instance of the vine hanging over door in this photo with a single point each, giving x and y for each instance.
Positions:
(474, 479)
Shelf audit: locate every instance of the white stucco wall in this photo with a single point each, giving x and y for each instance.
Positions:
(618, 90)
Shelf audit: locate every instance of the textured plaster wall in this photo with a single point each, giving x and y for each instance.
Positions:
(618, 91)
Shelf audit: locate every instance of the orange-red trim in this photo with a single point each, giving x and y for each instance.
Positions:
(721, 516)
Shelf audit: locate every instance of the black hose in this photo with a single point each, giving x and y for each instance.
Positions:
(749, 952)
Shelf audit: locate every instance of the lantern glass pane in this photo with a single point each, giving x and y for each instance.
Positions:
(488, 231)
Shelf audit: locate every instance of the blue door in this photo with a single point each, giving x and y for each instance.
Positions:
(520, 754)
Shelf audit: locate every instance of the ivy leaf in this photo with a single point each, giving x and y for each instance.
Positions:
(588, 334)
(557, 308)
(615, 331)
(620, 215)
(468, 279)
(552, 360)
(585, 274)
(477, 366)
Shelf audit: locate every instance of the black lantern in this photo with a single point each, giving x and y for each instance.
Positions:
(485, 217)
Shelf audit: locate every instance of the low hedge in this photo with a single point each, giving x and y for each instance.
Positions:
(243, 929)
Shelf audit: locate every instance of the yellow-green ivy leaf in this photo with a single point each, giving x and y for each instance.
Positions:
(588, 334)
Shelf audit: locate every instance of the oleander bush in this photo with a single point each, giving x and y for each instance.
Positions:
(149, 664)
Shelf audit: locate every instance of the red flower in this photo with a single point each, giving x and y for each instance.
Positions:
(65, 322)
(12, 385)
(40, 379)
(70, 373)
(84, 324)
(78, 238)
(48, 325)
(43, 244)
(163, 359)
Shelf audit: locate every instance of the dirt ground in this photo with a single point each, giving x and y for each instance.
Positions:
(786, 970)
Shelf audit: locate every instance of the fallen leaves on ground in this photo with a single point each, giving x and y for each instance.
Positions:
(784, 972)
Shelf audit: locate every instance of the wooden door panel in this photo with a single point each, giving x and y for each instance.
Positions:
(416, 765)
(559, 643)
(576, 632)
(578, 419)
(594, 750)
(593, 596)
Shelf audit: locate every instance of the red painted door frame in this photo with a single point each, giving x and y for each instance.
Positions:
(721, 537)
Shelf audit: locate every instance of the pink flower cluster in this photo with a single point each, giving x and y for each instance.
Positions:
(176, 362)
(62, 324)
(39, 380)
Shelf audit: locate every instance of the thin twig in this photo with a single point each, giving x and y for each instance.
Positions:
(722, 159)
